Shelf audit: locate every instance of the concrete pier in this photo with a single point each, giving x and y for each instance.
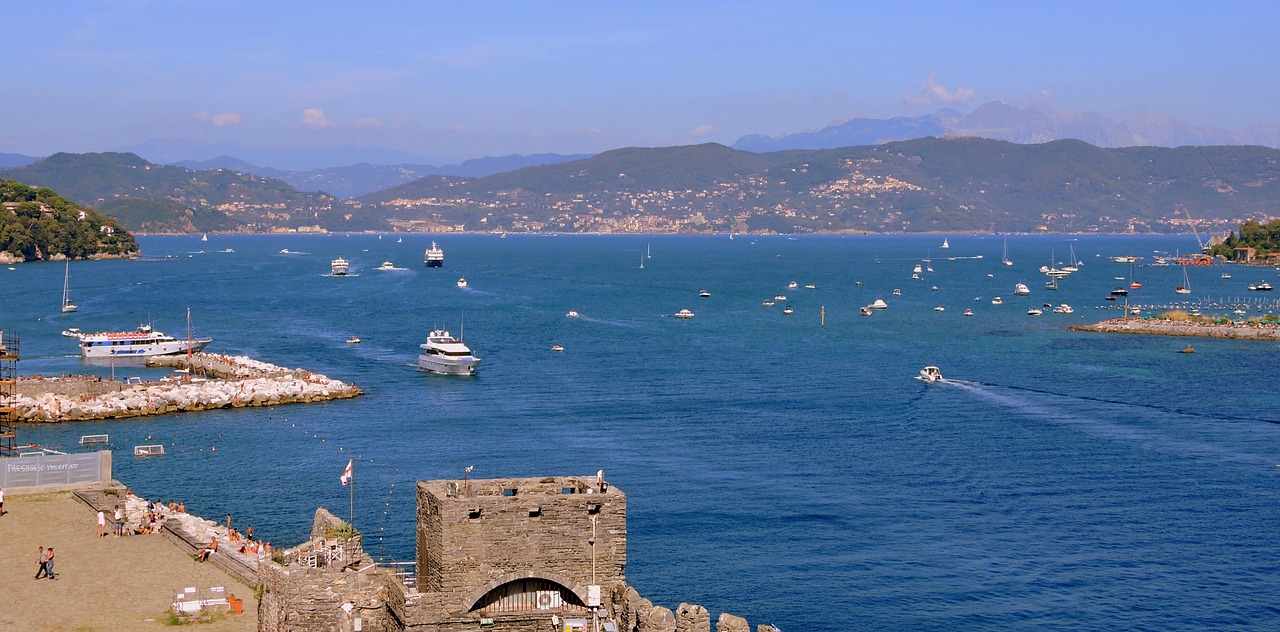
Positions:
(242, 382)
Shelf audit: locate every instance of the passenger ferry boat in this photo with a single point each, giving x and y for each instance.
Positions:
(339, 267)
(434, 256)
(141, 342)
(444, 354)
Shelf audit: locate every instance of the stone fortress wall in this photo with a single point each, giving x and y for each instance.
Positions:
(507, 555)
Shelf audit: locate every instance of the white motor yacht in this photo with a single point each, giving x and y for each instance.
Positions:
(997, 301)
(387, 265)
(1021, 289)
(1035, 311)
(879, 304)
(930, 374)
(444, 354)
(684, 313)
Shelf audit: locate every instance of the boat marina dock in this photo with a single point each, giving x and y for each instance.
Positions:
(237, 382)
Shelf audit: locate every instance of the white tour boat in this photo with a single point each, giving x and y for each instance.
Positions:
(387, 265)
(433, 257)
(442, 353)
(141, 342)
(339, 267)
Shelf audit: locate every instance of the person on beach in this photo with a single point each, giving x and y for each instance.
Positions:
(119, 526)
(102, 524)
(42, 570)
(1, 501)
(208, 550)
(48, 563)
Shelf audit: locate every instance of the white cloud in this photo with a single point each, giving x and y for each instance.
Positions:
(704, 129)
(219, 120)
(931, 93)
(315, 117)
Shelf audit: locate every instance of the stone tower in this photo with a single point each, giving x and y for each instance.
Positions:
(514, 552)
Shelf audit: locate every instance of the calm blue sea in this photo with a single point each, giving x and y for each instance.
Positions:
(776, 469)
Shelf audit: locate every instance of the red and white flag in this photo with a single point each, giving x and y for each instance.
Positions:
(347, 473)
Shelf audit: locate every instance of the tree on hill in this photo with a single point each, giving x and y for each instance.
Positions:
(37, 224)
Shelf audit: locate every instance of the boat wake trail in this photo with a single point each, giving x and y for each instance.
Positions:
(1101, 400)
(1061, 409)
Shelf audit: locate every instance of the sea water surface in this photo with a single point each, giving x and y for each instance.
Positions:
(784, 471)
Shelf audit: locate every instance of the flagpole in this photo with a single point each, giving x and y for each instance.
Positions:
(351, 511)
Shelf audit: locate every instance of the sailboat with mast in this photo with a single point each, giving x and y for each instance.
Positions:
(1185, 288)
(67, 305)
(1005, 258)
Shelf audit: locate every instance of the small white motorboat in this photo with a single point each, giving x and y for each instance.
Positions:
(1021, 289)
(878, 304)
(897, 292)
(557, 348)
(968, 312)
(997, 301)
(864, 310)
(780, 297)
(939, 309)
(788, 310)
(462, 283)
(573, 314)
(930, 374)
(684, 313)
(387, 265)
(810, 286)
(767, 303)
(1035, 311)
(793, 285)
(353, 340)
(704, 294)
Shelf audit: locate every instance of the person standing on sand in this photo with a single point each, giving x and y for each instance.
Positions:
(1, 501)
(40, 561)
(102, 524)
(119, 526)
(48, 563)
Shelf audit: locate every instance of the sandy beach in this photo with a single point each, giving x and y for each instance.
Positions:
(103, 583)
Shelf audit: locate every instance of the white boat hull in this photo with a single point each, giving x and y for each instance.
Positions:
(449, 365)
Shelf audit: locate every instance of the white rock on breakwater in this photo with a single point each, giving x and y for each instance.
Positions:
(281, 386)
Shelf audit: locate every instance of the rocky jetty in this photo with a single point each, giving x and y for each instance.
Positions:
(246, 382)
(1173, 327)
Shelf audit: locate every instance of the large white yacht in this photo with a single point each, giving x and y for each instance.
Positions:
(141, 342)
(434, 256)
(339, 267)
(442, 353)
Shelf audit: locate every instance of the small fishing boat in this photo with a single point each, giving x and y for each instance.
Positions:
(1188, 349)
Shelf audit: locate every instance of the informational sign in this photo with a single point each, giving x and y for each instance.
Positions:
(41, 470)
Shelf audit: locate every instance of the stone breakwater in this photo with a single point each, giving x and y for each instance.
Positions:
(1166, 327)
(250, 383)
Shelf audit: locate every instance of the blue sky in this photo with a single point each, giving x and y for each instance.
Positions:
(459, 80)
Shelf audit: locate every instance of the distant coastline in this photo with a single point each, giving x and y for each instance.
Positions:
(1172, 327)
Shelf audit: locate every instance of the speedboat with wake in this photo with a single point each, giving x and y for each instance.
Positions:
(930, 374)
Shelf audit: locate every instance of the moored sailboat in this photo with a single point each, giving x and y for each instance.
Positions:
(67, 305)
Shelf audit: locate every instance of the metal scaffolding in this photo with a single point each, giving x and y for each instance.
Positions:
(8, 393)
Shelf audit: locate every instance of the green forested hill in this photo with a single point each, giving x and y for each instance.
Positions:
(159, 198)
(37, 223)
(929, 184)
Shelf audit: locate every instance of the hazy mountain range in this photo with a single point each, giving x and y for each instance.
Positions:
(1000, 121)
(928, 184)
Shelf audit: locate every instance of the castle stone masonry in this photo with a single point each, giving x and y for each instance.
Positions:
(501, 555)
